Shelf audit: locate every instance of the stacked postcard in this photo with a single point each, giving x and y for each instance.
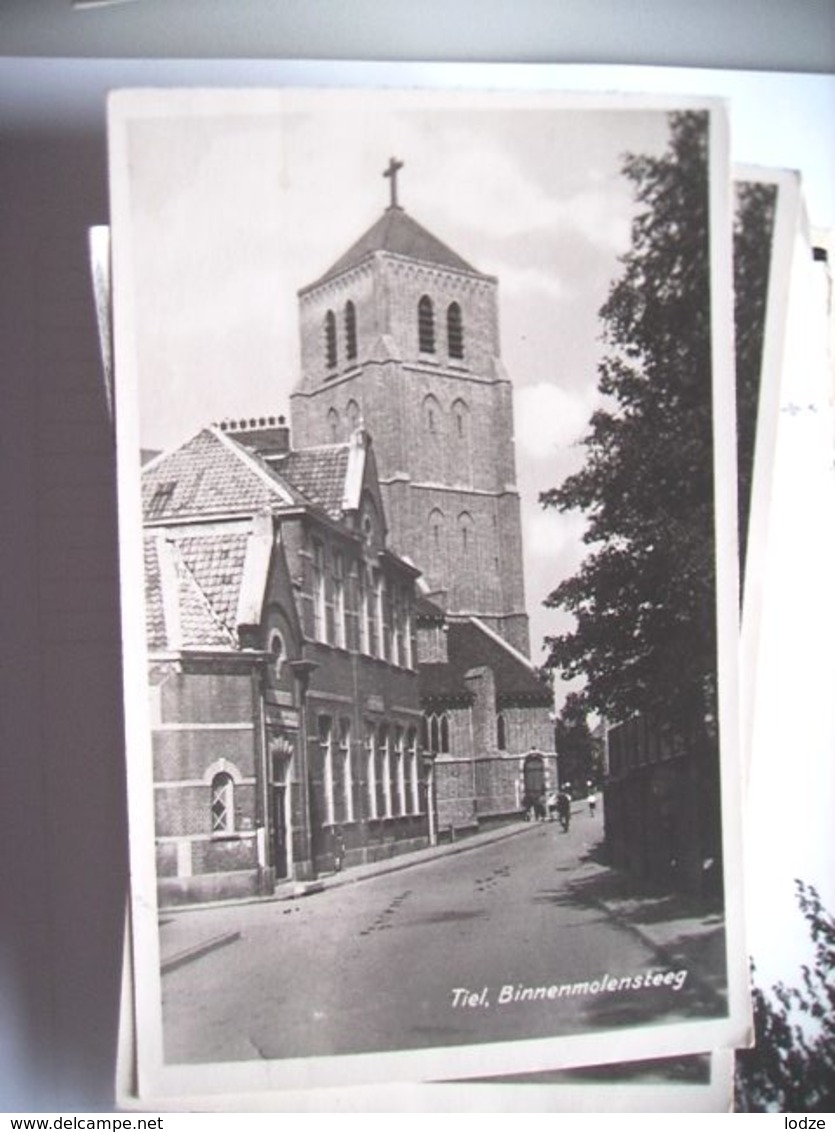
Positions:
(475, 485)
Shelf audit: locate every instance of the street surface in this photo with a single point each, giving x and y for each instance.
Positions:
(416, 958)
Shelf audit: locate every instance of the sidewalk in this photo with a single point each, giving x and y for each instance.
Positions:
(686, 932)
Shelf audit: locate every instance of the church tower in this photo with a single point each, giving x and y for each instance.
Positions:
(402, 335)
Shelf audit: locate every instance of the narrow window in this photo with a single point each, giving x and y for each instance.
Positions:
(385, 620)
(398, 775)
(371, 770)
(371, 603)
(340, 634)
(223, 803)
(455, 331)
(363, 614)
(346, 775)
(414, 780)
(319, 624)
(276, 647)
(437, 733)
(330, 340)
(350, 331)
(426, 326)
(398, 645)
(333, 425)
(501, 732)
(382, 775)
(326, 747)
(408, 655)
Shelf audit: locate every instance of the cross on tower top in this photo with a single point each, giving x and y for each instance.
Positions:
(394, 166)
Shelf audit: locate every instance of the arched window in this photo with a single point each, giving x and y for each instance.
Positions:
(436, 529)
(277, 651)
(414, 771)
(467, 565)
(436, 732)
(346, 778)
(460, 454)
(426, 326)
(431, 411)
(466, 532)
(350, 331)
(382, 774)
(319, 612)
(330, 340)
(352, 412)
(326, 756)
(454, 331)
(223, 803)
(371, 769)
(333, 425)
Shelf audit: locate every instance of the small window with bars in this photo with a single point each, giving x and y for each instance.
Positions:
(223, 803)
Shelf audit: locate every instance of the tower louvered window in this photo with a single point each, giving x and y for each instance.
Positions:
(426, 326)
(350, 331)
(455, 331)
(330, 340)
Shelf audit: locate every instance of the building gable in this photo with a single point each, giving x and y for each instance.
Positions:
(209, 475)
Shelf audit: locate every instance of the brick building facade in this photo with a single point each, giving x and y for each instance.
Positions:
(312, 705)
(282, 653)
(486, 722)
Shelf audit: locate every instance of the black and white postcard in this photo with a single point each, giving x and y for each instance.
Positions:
(425, 426)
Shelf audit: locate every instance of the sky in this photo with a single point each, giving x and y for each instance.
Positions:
(233, 212)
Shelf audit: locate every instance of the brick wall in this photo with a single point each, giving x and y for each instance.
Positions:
(455, 795)
(528, 729)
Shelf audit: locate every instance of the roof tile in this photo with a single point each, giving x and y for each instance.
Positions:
(398, 233)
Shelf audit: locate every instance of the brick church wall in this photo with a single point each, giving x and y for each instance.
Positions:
(455, 796)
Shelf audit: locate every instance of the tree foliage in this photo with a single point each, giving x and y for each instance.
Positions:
(643, 599)
(580, 757)
(792, 1065)
(753, 232)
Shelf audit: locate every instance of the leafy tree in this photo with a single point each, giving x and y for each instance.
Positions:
(580, 758)
(753, 232)
(792, 1065)
(643, 599)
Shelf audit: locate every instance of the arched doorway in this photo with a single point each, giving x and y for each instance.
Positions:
(533, 780)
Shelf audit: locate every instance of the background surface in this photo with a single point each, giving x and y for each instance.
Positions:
(64, 840)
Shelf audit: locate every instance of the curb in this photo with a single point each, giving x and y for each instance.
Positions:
(198, 951)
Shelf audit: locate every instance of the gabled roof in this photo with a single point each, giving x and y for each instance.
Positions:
(471, 644)
(208, 475)
(319, 473)
(398, 233)
(192, 588)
